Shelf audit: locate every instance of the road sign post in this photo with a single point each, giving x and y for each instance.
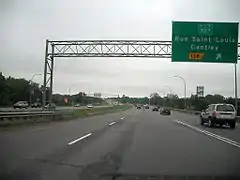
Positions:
(235, 80)
(204, 42)
(208, 42)
(100, 48)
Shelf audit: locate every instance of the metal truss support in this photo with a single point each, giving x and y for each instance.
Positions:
(48, 74)
(100, 48)
(121, 48)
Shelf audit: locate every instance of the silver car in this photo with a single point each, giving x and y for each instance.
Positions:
(89, 106)
(221, 114)
(21, 105)
(51, 107)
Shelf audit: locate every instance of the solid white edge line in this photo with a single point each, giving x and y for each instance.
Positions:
(79, 139)
(112, 123)
(226, 140)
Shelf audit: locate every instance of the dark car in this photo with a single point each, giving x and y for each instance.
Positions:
(165, 111)
(21, 105)
(36, 105)
(139, 107)
(155, 109)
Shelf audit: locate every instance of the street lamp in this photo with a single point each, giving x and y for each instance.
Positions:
(149, 100)
(185, 87)
(69, 93)
(30, 94)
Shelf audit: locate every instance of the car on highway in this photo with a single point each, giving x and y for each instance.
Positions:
(165, 111)
(77, 105)
(146, 106)
(36, 105)
(89, 106)
(155, 109)
(221, 114)
(21, 105)
(50, 106)
(139, 107)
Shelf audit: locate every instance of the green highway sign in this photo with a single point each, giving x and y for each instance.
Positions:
(211, 42)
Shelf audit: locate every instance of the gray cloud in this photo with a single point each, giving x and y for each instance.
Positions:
(25, 28)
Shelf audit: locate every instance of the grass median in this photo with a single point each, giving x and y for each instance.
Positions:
(99, 111)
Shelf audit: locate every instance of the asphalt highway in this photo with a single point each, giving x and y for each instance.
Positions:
(134, 144)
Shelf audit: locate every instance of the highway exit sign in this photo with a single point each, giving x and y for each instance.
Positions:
(212, 42)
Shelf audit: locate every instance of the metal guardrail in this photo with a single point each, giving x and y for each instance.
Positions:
(4, 115)
(24, 117)
(19, 115)
(195, 112)
(188, 111)
(59, 108)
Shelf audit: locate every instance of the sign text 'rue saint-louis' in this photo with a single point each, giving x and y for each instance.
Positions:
(204, 42)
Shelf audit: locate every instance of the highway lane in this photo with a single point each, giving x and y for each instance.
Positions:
(134, 142)
(20, 145)
(194, 120)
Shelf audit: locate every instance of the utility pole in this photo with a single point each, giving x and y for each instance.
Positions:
(236, 95)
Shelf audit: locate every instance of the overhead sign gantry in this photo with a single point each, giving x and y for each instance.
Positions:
(99, 48)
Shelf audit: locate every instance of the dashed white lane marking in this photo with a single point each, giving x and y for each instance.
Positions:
(79, 139)
(112, 123)
(223, 139)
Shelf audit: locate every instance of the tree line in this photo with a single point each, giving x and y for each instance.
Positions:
(18, 89)
(12, 90)
(172, 100)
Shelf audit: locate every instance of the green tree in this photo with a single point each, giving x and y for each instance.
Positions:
(12, 90)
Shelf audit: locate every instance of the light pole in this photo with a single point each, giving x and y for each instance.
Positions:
(168, 98)
(30, 94)
(185, 88)
(69, 93)
(149, 101)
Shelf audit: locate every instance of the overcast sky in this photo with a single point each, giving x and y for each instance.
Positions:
(25, 25)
